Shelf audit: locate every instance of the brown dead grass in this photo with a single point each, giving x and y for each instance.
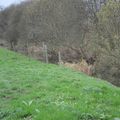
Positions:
(82, 67)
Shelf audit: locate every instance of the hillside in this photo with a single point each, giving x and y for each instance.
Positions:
(31, 90)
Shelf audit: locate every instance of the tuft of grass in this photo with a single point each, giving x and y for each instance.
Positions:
(31, 90)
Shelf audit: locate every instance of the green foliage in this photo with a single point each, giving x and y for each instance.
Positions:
(109, 19)
(33, 90)
(108, 42)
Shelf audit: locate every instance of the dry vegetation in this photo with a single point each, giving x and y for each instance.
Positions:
(83, 66)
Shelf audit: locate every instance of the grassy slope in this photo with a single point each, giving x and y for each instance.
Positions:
(31, 90)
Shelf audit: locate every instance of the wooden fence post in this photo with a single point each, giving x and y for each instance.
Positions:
(59, 58)
(46, 53)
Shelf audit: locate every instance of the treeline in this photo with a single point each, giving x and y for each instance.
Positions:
(91, 28)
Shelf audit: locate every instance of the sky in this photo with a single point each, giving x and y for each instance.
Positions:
(6, 3)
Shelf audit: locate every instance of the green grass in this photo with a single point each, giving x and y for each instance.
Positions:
(31, 90)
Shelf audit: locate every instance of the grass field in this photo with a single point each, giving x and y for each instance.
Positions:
(31, 90)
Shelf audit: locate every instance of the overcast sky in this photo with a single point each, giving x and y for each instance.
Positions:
(6, 3)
